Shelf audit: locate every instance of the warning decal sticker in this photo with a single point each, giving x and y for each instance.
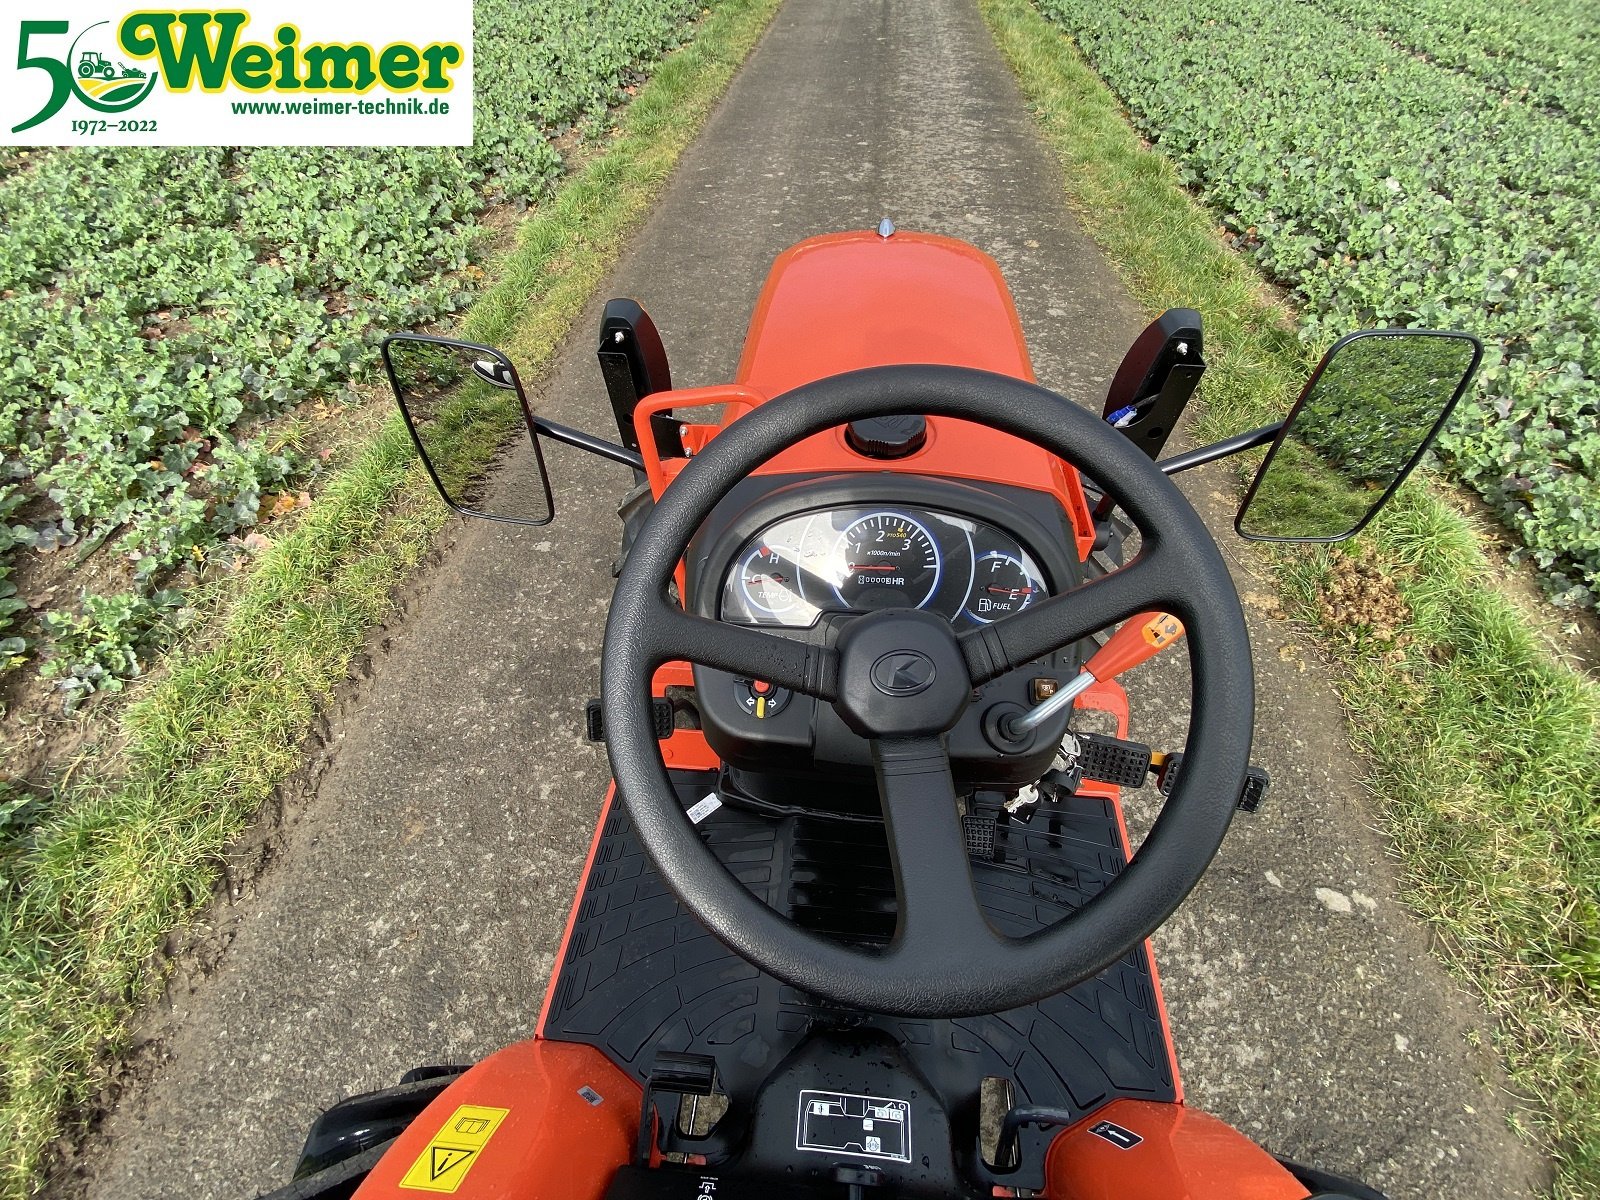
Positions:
(445, 1161)
(1122, 1139)
(861, 1126)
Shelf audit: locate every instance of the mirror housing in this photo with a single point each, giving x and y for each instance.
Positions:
(1157, 377)
(1368, 414)
(462, 403)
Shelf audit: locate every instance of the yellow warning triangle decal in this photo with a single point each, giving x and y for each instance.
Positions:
(446, 1159)
(443, 1164)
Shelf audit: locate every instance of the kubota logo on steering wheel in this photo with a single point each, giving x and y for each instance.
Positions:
(95, 71)
(903, 673)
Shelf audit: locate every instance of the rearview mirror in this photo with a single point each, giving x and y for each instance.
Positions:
(463, 403)
(1367, 416)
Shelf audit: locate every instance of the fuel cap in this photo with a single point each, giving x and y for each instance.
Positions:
(887, 437)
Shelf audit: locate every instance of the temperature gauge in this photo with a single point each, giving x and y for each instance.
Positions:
(769, 577)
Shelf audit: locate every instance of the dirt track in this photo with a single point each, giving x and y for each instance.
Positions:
(419, 888)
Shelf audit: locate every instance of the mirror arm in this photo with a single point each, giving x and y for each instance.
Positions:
(587, 441)
(1236, 444)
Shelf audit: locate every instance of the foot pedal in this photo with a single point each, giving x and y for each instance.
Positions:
(671, 1074)
(594, 719)
(1256, 782)
(683, 1074)
(979, 832)
(1112, 760)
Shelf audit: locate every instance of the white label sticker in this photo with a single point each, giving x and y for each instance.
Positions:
(704, 808)
(839, 1123)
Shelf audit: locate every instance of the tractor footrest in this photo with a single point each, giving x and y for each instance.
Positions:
(671, 1074)
(1112, 760)
(1256, 782)
(594, 719)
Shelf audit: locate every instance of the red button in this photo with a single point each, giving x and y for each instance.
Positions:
(760, 687)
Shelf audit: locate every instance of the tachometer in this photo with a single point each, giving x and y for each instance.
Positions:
(885, 560)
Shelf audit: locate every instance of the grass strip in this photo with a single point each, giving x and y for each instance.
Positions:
(1482, 750)
(130, 857)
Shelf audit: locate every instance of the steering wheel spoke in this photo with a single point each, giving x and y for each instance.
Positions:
(1040, 629)
(799, 666)
(939, 913)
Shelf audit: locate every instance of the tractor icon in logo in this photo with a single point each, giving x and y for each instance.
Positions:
(103, 83)
(94, 63)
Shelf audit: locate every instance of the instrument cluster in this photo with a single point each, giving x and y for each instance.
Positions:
(861, 558)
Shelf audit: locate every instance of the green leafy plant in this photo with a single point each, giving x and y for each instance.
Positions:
(1432, 163)
(132, 844)
(1444, 679)
(21, 811)
(99, 646)
(159, 304)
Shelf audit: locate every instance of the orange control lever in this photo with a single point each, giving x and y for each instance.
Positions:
(1139, 640)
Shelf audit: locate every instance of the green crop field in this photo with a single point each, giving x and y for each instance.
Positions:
(116, 850)
(162, 309)
(1411, 163)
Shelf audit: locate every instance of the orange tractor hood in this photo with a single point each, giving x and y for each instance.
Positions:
(851, 300)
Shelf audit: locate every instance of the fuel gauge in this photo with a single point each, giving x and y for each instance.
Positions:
(1002, 584)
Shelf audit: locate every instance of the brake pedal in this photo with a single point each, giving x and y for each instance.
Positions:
(1256, 781)
(1112, 760)
(671, 1074)
(979, 833)
(594, 719)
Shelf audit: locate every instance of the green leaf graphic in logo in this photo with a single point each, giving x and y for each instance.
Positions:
(101, 80)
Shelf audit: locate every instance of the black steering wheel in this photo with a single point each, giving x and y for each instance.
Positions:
(902, 679)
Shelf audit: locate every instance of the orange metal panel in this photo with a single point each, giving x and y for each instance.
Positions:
(846, 301)
(1108, 696)
(569, 1121)
(1182, 1155)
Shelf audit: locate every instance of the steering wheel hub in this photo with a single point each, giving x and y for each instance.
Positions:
(901, 674)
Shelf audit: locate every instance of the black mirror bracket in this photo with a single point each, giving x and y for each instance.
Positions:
(1237, 444)
(1157, 377)
(633, 363)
